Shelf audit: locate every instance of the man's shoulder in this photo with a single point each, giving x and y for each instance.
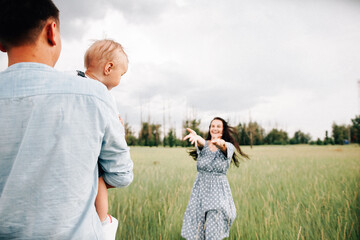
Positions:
(26, 79)
(77, 84)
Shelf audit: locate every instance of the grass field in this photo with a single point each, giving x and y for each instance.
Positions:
(284, 192)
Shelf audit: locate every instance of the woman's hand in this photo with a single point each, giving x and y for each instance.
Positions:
(219, 143)
(194, 138)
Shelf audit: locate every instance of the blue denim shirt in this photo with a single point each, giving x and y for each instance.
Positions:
(55, 130)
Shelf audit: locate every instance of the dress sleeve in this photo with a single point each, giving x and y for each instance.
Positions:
(114, 158)
(198, 150)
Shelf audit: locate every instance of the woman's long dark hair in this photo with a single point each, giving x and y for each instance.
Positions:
(228, 136)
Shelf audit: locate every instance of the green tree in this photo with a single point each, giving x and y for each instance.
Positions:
(145, 134)
(250, 134)
(256, 133)
(131, 140)
(327, 139)
(355, 130)
(242, 136)
(277, 137)
(149, 134)
(155, 128)
(319, 142)
(300, 138)
(171, 139)
(340, 133)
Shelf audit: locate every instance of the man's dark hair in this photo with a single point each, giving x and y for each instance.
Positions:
(21, 21)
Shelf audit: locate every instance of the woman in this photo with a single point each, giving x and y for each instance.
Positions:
(211, 209)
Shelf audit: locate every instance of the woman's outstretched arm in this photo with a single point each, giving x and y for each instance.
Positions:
(194, 138)
(220, 144)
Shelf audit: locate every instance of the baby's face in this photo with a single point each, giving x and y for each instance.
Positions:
(119, 69)
(117, 73)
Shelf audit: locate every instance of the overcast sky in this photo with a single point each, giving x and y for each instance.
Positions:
(290, 64)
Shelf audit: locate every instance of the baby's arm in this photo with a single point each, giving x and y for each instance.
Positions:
(101, 201)
(122, 122)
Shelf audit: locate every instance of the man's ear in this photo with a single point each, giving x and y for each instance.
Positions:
(2, 48)
(108, 67)
(51, 33)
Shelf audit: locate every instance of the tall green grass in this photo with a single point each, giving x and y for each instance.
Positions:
(283, 192)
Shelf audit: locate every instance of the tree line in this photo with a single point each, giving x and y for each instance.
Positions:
(246, 134)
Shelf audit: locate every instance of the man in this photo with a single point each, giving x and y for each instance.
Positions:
(55, 130)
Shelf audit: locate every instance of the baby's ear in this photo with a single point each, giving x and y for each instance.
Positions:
(108, 67)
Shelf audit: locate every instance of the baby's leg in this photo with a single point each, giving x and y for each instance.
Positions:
(101, 201)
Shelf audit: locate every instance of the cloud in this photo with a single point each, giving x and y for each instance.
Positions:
(75, 16)
(142, 11)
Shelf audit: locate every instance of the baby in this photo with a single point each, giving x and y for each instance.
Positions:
(106, 62)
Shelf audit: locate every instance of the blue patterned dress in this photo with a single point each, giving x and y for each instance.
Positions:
(211, 208)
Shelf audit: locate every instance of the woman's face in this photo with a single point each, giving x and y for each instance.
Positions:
(216, 129)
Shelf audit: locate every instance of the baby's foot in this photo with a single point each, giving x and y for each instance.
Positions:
(109, 226)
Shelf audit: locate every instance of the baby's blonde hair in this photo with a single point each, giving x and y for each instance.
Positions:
(102, 51)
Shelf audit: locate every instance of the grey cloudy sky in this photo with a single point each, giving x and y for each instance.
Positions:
(289, 64)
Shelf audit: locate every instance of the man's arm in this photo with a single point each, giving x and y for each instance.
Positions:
(114, 158)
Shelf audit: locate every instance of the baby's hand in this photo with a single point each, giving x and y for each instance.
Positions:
(122, 122)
